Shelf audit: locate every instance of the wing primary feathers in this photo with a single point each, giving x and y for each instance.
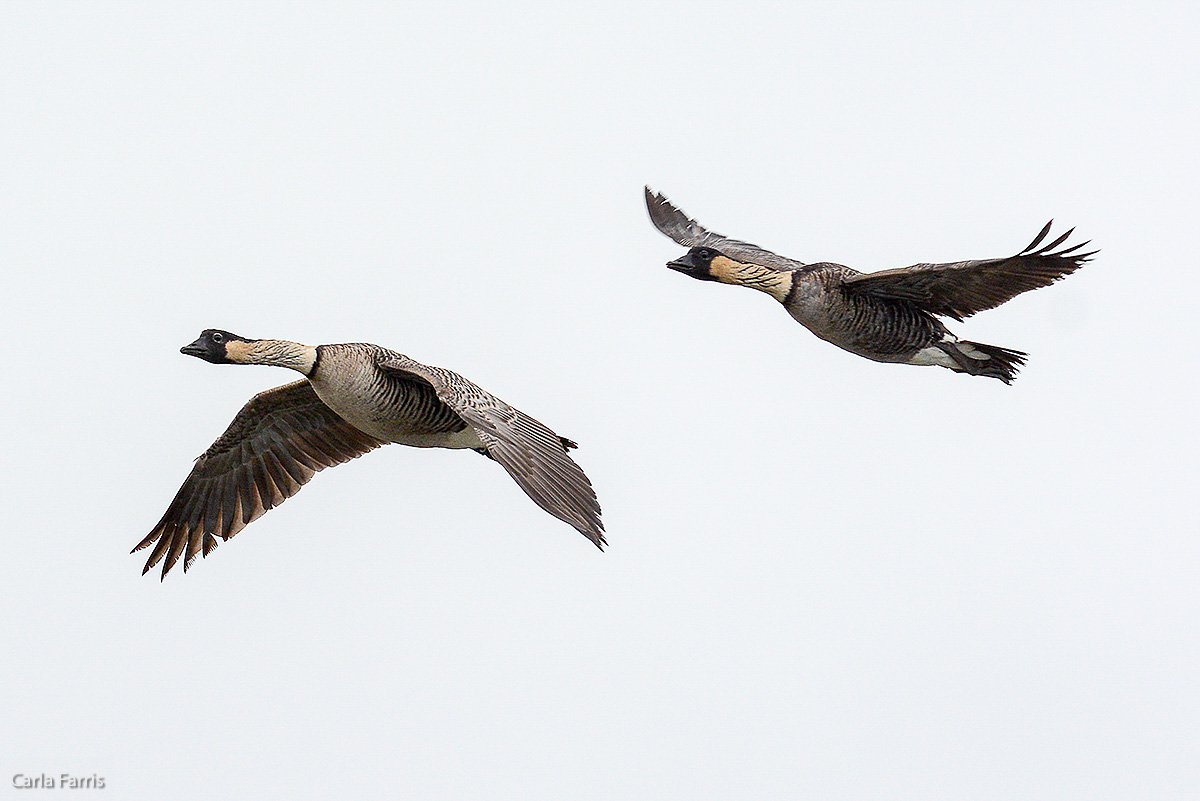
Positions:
(1041, 235)
(534, 456)
(278, 441)
(1057, 242)
(683, 230)
(961, 289)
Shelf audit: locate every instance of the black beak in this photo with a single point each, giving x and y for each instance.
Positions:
(683, 264)
(197, 348)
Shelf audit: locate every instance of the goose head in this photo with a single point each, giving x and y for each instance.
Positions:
(218, 347)
(697, 263)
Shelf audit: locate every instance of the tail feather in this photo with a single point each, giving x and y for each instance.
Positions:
(1000, 363)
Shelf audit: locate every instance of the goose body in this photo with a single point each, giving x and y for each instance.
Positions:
(887, 316)
(353, 398)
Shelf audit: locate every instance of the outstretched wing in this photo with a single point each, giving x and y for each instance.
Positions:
(532, 454)
(275, 444)
(960, 289)
(690, 234)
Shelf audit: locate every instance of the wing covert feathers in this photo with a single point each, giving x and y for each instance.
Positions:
(278, 441)
(533, 455)
(960, 289)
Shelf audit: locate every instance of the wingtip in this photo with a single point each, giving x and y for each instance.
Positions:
(593, 530)
(1037, 240)
(654, 198)
(1036, 248)
(668, 218)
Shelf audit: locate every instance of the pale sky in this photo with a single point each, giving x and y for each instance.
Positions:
(828, 578)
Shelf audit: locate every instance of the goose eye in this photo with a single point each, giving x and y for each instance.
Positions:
(218, 337)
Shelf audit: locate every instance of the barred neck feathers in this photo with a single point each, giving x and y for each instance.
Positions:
(775, 283)
(274, 352)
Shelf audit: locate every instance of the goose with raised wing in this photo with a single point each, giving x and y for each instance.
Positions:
(887, 316)
(352, 399)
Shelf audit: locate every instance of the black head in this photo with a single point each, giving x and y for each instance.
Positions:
(697, 263)
(211, 346)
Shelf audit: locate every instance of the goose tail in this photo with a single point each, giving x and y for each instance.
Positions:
(977, 358)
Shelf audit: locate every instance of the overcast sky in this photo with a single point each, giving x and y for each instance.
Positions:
(828, 578)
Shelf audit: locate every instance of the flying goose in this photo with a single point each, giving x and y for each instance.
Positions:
(353, 399)
(887, 316)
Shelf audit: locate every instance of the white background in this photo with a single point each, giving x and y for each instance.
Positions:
(828, 578)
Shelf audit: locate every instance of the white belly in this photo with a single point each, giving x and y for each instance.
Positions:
(936, 356)
(467, 438)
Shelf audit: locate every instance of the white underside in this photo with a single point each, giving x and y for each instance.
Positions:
(392, 431)
(467, 438)
(934, 355)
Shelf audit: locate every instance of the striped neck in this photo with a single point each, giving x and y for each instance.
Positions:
(274, 352)
(775, 283)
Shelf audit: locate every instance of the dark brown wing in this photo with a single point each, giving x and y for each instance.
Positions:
(960, 289)
(532, 454)
(275, 444)
(690, 234)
